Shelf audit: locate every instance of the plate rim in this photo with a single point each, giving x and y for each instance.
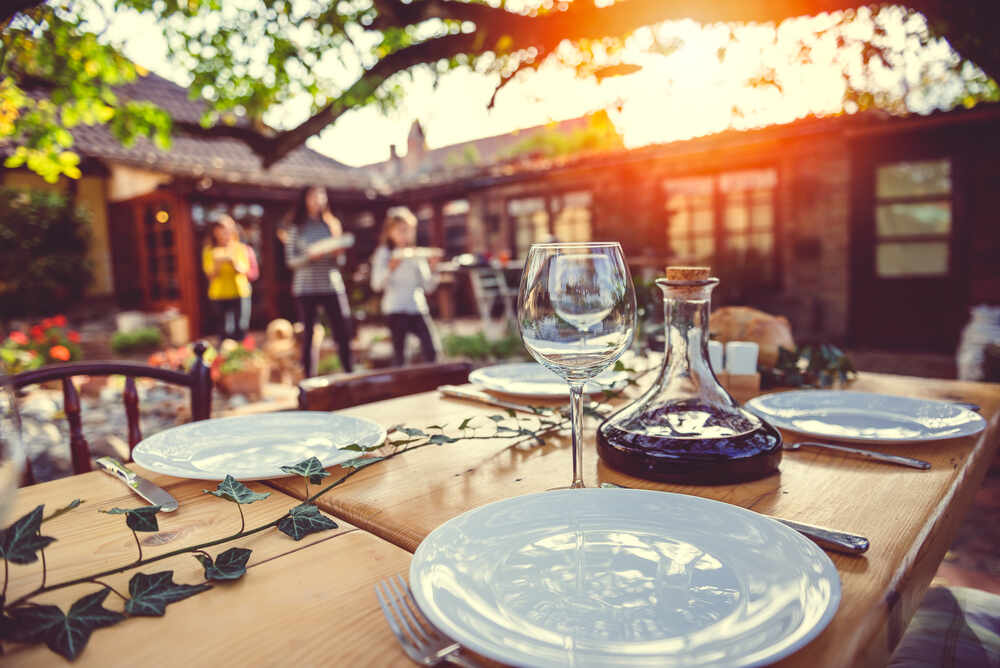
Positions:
(821, 624)
(753, 405)
(476, 374)
(382, 435)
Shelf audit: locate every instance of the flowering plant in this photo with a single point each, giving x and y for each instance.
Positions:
(235, 356)
(47, 342)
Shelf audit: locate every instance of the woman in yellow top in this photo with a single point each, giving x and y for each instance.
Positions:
(226, 264)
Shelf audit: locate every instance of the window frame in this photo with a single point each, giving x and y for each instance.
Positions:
(879, 239)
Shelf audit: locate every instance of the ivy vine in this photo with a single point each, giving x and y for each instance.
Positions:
(67, 633)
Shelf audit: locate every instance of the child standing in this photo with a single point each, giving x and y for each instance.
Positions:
(404, 278)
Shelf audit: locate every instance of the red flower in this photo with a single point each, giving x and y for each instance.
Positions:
(18, 337)
(73, 336)
(59, 320)
(249, 342)
(37, 333)
(60, 353)
(46, 323)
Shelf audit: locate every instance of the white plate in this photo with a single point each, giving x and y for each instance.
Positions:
(254, 447)
(621, 577)
(865, 417)
(529, 379)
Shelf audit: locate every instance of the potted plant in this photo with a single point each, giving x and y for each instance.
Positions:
(49, 341)
(240, 368)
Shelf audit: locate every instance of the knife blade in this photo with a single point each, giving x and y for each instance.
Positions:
(484, 398)
(147, 490)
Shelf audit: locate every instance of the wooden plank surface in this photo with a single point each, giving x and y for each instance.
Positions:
(307, 602)
(909, 515)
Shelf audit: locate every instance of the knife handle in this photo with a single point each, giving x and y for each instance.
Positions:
(115, 468)
(828, 539)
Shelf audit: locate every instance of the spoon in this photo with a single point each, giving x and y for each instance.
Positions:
(877, 456)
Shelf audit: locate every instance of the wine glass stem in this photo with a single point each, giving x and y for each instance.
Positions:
(576, 422)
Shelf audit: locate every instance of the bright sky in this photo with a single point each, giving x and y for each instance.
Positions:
(687, 92)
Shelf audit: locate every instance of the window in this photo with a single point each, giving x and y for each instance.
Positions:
(531, 222)
(724, 217)
(456, 230)
(161, 252)
(912, 218)
(572, 223)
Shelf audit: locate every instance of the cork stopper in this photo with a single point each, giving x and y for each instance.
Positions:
(688, 273)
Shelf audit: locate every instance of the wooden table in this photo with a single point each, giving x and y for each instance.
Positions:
(303, 603)
(911, 516)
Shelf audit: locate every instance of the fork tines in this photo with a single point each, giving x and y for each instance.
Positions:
(419, 639)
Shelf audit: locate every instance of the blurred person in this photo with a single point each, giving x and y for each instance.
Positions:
(224, 260)
(317, 281)
(404, 279)
(253, 270)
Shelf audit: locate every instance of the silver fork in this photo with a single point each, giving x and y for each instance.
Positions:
(420, 640)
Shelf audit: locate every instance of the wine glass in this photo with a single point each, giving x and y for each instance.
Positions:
(576, 315)
(11, 450)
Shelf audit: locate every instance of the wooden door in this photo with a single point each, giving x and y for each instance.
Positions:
(168, 262)
(909, 252)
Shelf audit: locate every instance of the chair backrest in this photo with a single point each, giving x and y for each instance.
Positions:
(488, 285)
(336, 391)
(198, 380)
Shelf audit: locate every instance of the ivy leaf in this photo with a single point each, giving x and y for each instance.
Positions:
(412, 432)
(20, 542)
(498, 418)
(439, 427)
(465, 423)
(361, 462)
(65, 634)
(138, 519)
(511, 413)
(311, 468)
(62, 511)
(441, 439)
(235, 491)
(304, 520)
(229, 565)
(151, 594)
(620, 366)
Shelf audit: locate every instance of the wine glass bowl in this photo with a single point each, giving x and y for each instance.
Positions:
(576, 315)
(11, 449)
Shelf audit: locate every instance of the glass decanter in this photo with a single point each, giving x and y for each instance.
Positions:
(687, 428)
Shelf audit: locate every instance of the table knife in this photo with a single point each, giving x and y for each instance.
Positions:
(156, 496)
(911, 462)
(828, 539)
(484, 398)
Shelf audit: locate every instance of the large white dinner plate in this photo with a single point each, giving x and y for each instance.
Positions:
(254, 447)
(865, 417)
(529, 379)
(622, 577)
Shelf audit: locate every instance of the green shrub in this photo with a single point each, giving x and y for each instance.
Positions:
(43, 252)
(478, 347)
(327, 365)
(141, 340)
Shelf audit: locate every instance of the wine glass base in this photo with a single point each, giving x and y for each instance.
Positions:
(570, 486)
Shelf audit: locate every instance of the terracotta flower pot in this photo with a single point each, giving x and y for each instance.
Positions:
(249, 381)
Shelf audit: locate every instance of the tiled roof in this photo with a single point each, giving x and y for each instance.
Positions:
(222, 159)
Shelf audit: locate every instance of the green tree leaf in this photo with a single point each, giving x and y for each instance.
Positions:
(151, 594)
(75, 503)
(465, 423)
(441, 439)
(65, 634)
(235, 491)
(228, 565)
(304, 520)
(20, 542)
(138, 519)
(412, 431)
(311, 468)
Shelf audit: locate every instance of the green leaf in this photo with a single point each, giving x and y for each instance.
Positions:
(304, 520)
(498, 418)
(439, 427)
(235, 491)
(411, 431)
(311, 468)
(361, 462)
(465, 423)
(138, 519)
(151, 594)
(228, 565)
(65, 634)
(62, 511)
(511, 413)
(20, 542)
(441, 439)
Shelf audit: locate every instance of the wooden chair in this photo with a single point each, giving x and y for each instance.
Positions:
(198, 380)
(336, 391)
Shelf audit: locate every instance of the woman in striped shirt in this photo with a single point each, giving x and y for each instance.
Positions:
(312, 254)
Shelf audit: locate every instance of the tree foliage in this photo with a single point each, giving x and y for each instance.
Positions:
(246, 58)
